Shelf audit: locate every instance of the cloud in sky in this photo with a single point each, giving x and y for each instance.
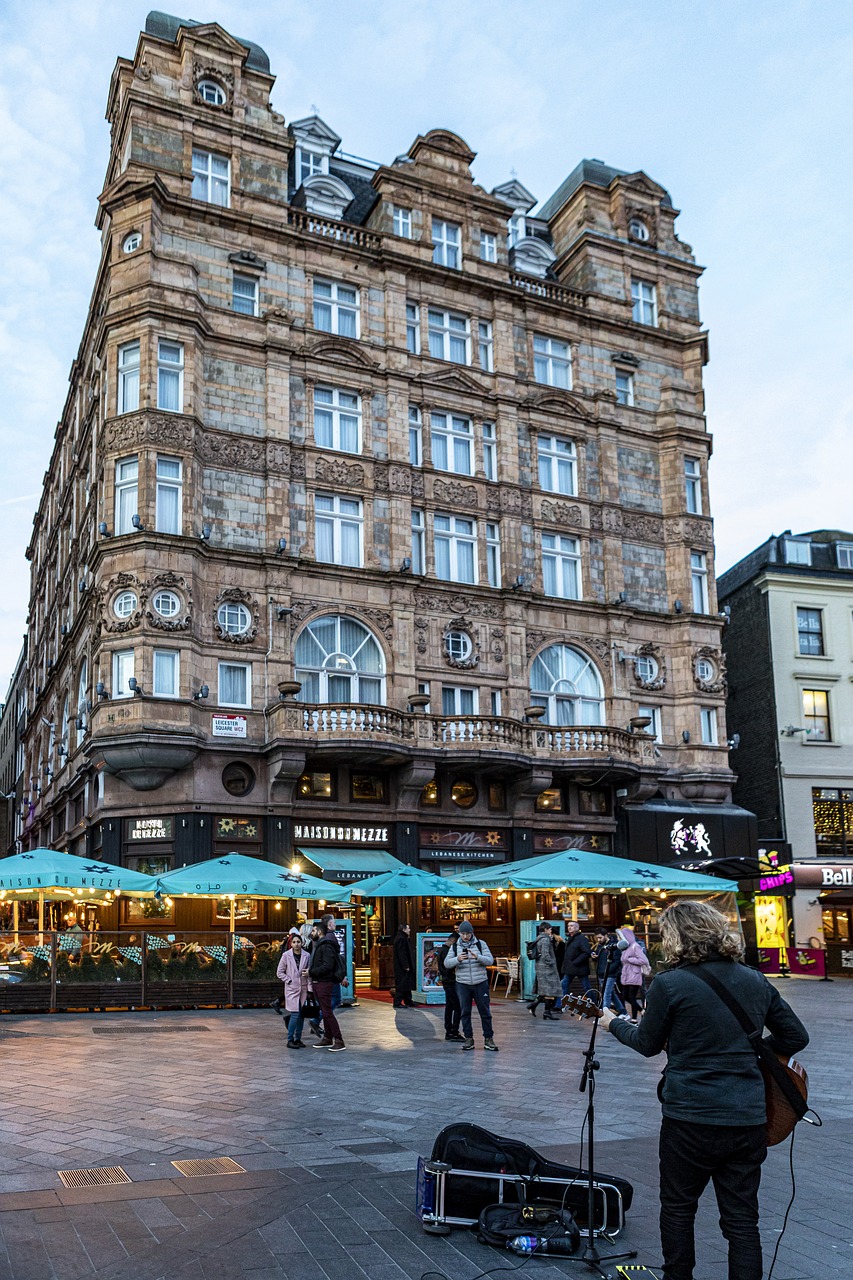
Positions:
(741, 111)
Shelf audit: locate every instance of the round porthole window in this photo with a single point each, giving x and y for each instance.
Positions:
(638, 229)
(211, 92)
(647, 669)
(457, 645)
(125, 604)
(132, 242)
(463, 794)
(705, 670)
(238, 779)
(166, 603)
(234, 619)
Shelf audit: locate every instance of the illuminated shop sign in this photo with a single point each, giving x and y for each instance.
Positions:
(341, 835)
(690, 839)
(822, 876)
(149, 829)
(783, 876)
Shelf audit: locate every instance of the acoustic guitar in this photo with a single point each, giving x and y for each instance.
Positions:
(781, 1116)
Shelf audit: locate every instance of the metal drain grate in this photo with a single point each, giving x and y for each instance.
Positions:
(126, 1030)
(93, 1177)
(204, 1168)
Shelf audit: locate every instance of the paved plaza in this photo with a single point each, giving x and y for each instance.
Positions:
(329, 1143)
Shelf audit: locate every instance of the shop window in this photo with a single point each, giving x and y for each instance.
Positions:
(317, 786)
(594, 802)
(232, 829)
(497, 795)
(463, 794)
(837, 925)
(237, 778)
(431, 794)
(148, 911)
(367, 786)
(246, 910)
(550, 801)
(832, 808)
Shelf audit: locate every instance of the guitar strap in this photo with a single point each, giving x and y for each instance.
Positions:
(762, 1050)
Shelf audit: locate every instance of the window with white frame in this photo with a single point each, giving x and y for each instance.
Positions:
(558, 465)
(211, 92)
(82, 697)
(131, 242)
(624, 387)
(449, 337)
(122, 673)
(652, 714)
(336, 308)
(167, 517)
(244, 295)
(166, 673)
(488, 247)
(235, 684)
(452, 443)
(844, 555)
(458, 700)
(638, 229)
(402, 219)
(128, 377)
(127, 494)
(798, 551)
(337, 419)
(337, 659)
(211, 178)
(170, 376)
(418, 542)
(455, 548)
(493, 554)
(339, 530)
(416, 436)
(485, 346)
(458, 645)
(693, 485)
(234, 619)
(310, 163)
(810, 632)
(708, 720)
(516, 228)
(413, 328)
(816, 715)
(495, 702)
(561, 566)
(644, 304)
(490, 451)
(552, 362)
(567, 683)
(699, 581)
(446, 243)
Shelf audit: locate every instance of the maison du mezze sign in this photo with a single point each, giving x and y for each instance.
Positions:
(149, 829)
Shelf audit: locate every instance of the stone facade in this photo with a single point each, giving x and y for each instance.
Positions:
(226, 400)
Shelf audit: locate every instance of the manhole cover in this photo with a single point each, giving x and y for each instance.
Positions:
(93, 1177)
(143, 1031)
(204, 1168)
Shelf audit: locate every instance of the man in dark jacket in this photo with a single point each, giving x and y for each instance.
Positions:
(608, 967)
(714, 1113)
(576, 958)
(327, 968)
(404, 968)
(452, 1009)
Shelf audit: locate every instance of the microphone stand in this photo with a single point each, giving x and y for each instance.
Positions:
(591, 1257)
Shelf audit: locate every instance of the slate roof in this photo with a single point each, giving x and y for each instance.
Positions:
(364, 196)
(594, 171)
(166, 27)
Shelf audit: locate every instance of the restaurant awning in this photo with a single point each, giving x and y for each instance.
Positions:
(351, 864)
(577, 869)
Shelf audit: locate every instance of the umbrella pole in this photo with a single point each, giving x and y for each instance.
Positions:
(233, 909)
(41, 919)
(16, 913)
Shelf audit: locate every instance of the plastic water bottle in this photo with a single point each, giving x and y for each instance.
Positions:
(524, 1244)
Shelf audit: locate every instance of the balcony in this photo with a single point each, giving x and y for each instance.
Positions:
(547, 289)
(317, 225)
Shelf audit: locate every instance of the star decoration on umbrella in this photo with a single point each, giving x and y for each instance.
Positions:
(646, 875)
(28, 856)
(99, 868)
(291, 875)
(224, 862)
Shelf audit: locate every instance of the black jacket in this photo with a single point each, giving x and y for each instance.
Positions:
(712, 1075)
(324, 958)
(576, 958)
(404, 961)
(608, 962)
(447, 975)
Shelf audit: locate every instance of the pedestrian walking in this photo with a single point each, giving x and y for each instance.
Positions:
(712, 1094)
(452, 1010)
(293, 971)
(576, 958)
(548, 987)
(404, 968)
(635, 967)
(607, 959)
(470, 957)
(327, 967)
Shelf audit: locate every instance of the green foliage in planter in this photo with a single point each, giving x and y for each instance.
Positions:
(266, 963)
(36, 971)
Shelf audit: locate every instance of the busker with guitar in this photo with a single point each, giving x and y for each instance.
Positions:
(714, 1126)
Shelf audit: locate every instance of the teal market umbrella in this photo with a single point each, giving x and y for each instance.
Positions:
(235, 875)
(578, 869)
(47, 873)
(411, 882)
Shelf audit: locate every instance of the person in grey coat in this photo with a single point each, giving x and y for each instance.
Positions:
(470, 957)
(547, 974)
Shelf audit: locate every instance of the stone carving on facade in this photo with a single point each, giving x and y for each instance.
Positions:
(232, 453)
(381, 619)
(605, 519)
(106, 593)
(225, 79)
(509, 502)
(399, 480)
(646, 528)
(236, 595)
(131, 430)
(498, 635)
(658, 681)
(458, 495)
(170, 582)
(333, 471)
(143, 72)
(421, 634)
(716, 658)
(417, 484)
(598, 645)
(381, 481)
(562, 513)
(690, 529)
(537, 639)
(458, 605)
(278, 457)
(463, 625)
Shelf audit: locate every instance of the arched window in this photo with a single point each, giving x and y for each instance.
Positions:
(339, 660)
(64, 745)
(82, 706)
(567, 684)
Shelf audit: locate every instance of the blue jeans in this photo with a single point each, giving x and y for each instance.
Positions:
(477, 994)
(611, 995)
(569, 978)
(294, 1027)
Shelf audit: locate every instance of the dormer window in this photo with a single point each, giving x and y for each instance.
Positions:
(798, 551)
(211, 93)
(314, 145)
(637, 229)
(311, 162)
(516, 228)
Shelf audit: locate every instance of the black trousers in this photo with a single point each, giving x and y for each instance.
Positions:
(691, 1156)
(452, 1011)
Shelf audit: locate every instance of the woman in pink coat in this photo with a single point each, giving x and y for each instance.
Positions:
(293, 971)
(635, 967)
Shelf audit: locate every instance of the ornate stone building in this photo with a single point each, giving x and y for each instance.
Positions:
(378, 509)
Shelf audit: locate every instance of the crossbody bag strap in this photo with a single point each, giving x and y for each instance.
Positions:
(765, 1055)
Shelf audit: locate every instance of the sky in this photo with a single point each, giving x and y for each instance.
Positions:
(742, 111)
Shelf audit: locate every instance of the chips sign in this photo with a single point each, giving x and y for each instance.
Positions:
(228, 726)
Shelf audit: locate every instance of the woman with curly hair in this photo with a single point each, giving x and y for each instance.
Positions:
(712, 1094)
